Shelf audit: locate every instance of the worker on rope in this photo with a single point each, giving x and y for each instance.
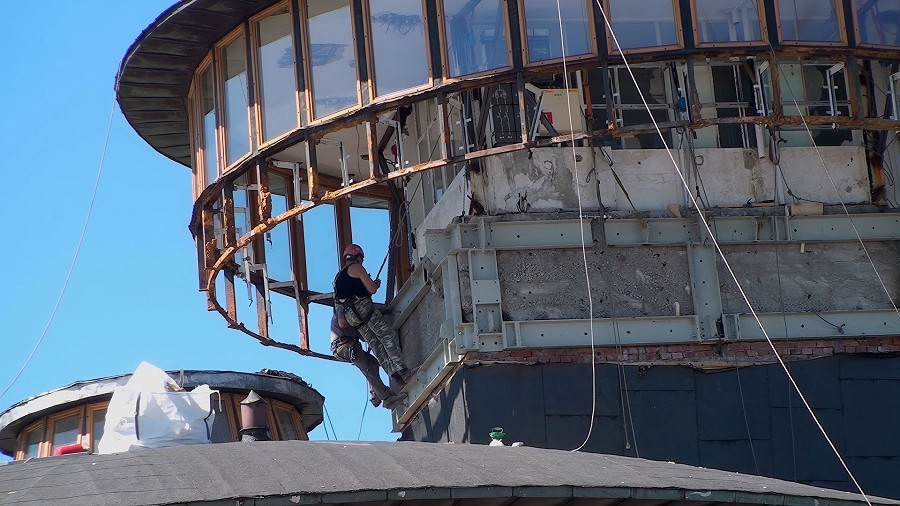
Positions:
(346, 347)
(353, 289)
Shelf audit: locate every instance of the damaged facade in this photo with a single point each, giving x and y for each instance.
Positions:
(533, 210)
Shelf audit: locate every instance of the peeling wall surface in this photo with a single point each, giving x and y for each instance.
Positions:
(747, 421)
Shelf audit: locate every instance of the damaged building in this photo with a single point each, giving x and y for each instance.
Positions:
(609, 222)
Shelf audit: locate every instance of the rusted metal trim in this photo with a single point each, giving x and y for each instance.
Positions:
(229, 232)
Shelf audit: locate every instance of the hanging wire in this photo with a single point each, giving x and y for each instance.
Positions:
(62, 292)
(328, 416)
(727, 264)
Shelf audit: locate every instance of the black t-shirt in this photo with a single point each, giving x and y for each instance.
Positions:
(346, 285)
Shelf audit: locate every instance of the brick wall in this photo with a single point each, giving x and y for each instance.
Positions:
(701, 355)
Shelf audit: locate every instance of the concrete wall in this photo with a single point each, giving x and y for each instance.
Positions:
(421, 332)
(745, 420)
(544, 180)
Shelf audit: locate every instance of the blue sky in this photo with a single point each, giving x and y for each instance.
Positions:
(133, 294)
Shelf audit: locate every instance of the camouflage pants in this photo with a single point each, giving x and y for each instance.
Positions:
(382, 340)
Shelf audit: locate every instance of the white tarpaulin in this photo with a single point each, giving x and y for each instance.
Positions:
(152, 411)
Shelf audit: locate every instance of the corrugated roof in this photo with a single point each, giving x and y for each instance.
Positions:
(156, 72)
(384, 474)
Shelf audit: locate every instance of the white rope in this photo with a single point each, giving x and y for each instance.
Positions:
(725, 260)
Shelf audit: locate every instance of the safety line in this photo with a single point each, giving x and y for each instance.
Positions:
(68, 277)
(725, 260)
(328, 416)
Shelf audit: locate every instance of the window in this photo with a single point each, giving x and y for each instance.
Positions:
(642, 24)
(331, 59)
(277, 75)
(814, 89)
(397, 35)
(65, 429)
(207, 143)
(878, 22)
(475, 34)
(655, 83)
(542, 29)
(236, 104)
(810, 21)
(724, 21)
(287, 426)
(96, 420)
(30, 445)
(726, 90)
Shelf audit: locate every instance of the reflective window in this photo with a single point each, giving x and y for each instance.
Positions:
(809, 20)
(727, 21)
(236, 101)
(542, 28)
(65, 432)
(277, 79)
(645, 23)
(208, 110)
(398, 45)
(33, 439)
(475, 36)
(286, 424)
(879, 22)
(331, 57)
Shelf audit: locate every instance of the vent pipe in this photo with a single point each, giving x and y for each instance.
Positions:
(254, 418)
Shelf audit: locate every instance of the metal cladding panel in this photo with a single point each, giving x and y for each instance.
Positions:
(819, 380)
(869, 367)
(665, 424)
(858, 395)
(510, 397)
(660, 378)
(727, 399)
(876, 475)
(567, 387)
(738, 455)
(796, 439)
(569, 431)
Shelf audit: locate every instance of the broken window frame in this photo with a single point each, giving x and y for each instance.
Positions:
(523, 35)
(833, 105)
(445, 46)
(676, 19)
(615, 76)
(895, 96)
(839, 26)
(258, 106)
(748, 107)
(696, 26)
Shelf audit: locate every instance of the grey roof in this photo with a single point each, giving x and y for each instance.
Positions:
(283, 386)
(156, 71)
(384, 474)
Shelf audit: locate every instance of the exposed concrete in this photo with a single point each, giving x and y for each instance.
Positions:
(824, 277)
(453, 202)
(421, 332)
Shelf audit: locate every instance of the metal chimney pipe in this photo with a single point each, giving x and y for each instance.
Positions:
(254, 418)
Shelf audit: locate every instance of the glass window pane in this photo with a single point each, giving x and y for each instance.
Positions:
(208, 105)
(65, 432)
(643, 23)
(99, 418)
(33, 443)
(542, 29)
(879, 22)
(332, 60)
(286, 423)
(476, 36)
(809, 20)
(277, 79)
(398, 45)
(728, 21)
(237, 124)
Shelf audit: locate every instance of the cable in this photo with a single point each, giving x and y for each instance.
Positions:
(363, 416)
(725, 262)
(62, 292)
(328, 416)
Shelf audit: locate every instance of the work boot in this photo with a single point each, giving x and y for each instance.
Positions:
(405, 375)
(375, 401)
(392, 400)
